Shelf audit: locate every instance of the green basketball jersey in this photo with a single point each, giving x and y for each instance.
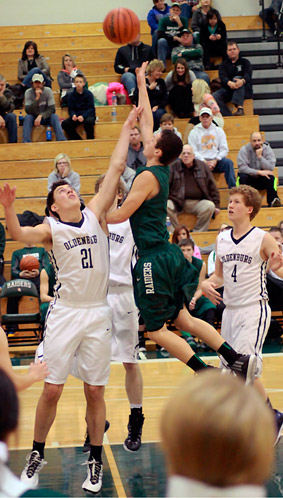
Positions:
(148, 223)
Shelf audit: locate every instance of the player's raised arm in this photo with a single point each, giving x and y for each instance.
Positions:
(41, 234)
(146, 119)
(102, 202)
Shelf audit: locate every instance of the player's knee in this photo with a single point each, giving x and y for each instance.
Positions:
(130, 367)
(52, 392)
(94, 393)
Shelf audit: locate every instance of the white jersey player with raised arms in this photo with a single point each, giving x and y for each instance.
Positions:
(242, 256)
(79, 319)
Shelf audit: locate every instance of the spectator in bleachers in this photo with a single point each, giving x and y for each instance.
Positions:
(159, 10)
(271, 15)
(192, 52)
(188, 7)
(157, 91)
(203, 98)
(135, 157)
(256, 162)
(40, 109)
(32, 63)
(81, 110)
(179, 86)
(128, 58)
(66, 77)
(169, 29)
(274, 284)
(213, 38)
(182, 232)
(167, 123)
(200, 15)
(210, 145)
(235, 74)
(7, 117)
(63, 171)
(192, 189)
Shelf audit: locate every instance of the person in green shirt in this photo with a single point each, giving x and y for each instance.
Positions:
(169, 29)
(164, 281)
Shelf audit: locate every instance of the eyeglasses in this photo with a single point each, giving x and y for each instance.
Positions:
(63, 163)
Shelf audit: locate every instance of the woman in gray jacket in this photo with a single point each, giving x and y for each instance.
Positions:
(66, 78)
(32, 63)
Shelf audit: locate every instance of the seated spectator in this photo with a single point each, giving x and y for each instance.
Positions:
(66, 77)
(167, 123)
(271, 15)
(40, 109)
(47, 282)
(32, 63)
(159, 10)
(200, 306)
(213, 38)
(81, 110)
(210, 145)
(182, 232)
(256, 161)
(274, 284)
(203, 98)
(204, 456)
(169, 29)
(135, 157)
(156, 89)
(63, 171)
(192, 53)
(179, 86)
(188, 7)
(192, 189)
(200, 15)
(235, 74)
(127, 59)
(7, 117)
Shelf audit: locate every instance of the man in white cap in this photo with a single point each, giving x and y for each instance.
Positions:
(40, 109)
(210, 145)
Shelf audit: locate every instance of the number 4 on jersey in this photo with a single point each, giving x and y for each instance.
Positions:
(234, 273)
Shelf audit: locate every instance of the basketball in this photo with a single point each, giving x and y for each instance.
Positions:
(29, 263)
(121, 25)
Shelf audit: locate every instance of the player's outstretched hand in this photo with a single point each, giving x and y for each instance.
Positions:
(38, 371)
(140, 73)
(209, 291)
(275, 261)
(7, 195)
(134, 115)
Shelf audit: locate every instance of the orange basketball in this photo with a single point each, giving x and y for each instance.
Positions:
(121, 25)
(29, 263)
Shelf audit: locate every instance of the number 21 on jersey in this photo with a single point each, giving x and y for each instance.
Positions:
(86, 258)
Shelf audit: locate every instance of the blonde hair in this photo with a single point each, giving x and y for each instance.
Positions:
(57, 159)
(218, 431)
(200, 87)
(63, 58)
(154, 64)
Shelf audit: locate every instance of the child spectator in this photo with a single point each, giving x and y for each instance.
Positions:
(8, 119)
(213, 38)
(63, 171)
(200, 15)
(203, 98)
(179, 86)
(66, 77)
(182, 232)
(32, 63)
(159, 10)
(167, 123)
(81, 110)
(188, 7)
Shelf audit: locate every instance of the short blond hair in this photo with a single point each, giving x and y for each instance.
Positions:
(218, 431)
(62, 155)
(154, 64)
(200, 88)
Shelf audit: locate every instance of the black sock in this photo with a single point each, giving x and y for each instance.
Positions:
(136, 411)
(95, 453)
(195, 363)
(38, 447)
(229, 354)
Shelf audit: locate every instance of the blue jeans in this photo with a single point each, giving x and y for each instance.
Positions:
(11, 125)
(27, 80)
(129, 81)
(226, 166)
(224, 95)
(52, 121)
(202, 75)
(163, 50)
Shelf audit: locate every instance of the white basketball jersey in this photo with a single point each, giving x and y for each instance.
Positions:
(244, 270)
(80, 255)
(122, 253)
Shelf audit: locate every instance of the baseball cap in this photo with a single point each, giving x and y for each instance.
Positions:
(175, 4)
(185, 31)
(205, 110)
(38, 77)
